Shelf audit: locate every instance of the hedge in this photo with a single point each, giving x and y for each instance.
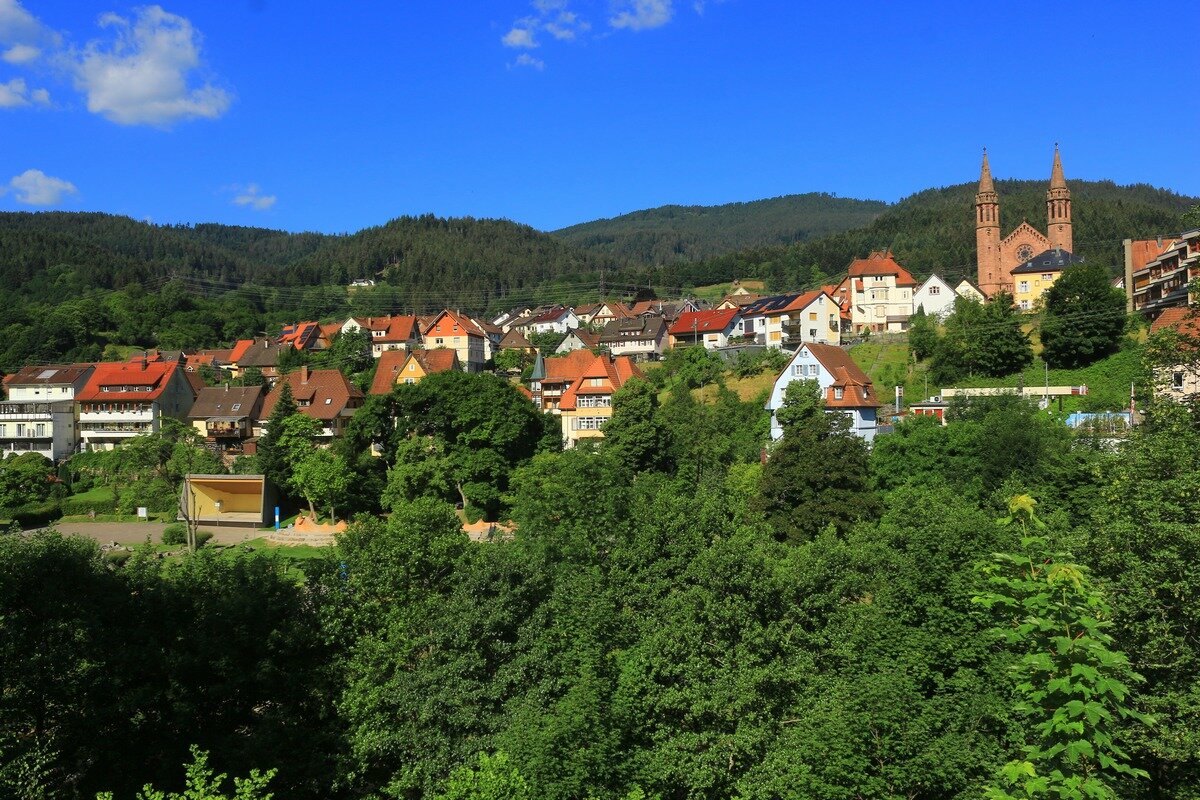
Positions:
(32, 515)
(72, 507)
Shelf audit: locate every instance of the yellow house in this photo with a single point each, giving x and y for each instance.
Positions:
(400, 367)
(1034, 278)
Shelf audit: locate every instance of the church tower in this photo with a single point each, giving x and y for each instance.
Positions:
(1058, 207)
(987, 230)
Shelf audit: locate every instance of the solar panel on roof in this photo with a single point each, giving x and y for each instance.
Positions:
(46, 374)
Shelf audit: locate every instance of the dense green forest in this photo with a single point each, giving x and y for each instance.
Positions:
(670, 234)
(934, 231)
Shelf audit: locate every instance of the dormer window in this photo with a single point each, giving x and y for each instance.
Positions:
(838, 393)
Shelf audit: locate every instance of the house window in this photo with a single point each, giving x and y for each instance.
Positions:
(1047, 276)
(1177, 381)
(328, 400)
(20, 429)
(410, 380)
(798, 369)
(813, 370)
(838, 392)
(935, 290)
(236, 407)
(1025, 306)
(438, 341)
(595, 381)
(3, 429)
(412, 367)
(1023, 286)
(812, 333)
(812, 316)
(41, 429)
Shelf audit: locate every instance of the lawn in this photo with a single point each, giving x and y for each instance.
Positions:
(715, 293)
(1108, 380)
(98, 495)
(297, 552)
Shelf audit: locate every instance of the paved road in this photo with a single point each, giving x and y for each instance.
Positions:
(136, 532)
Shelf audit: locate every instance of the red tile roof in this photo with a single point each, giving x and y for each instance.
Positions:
(1143, 251)
(465, 323)
(311, 389)
(133, 381)
(857, 390)
(1182, 319)
(567, 367)
(239, 350)
(881, 264)
(301, 335)
(614, 372)
(696, 322)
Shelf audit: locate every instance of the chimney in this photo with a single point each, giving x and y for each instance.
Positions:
(143, 361)
(304, 374)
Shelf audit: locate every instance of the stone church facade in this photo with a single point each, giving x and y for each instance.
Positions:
(997, 257)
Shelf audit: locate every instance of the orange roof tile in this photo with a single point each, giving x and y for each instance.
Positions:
(696, 322)
(153, 376)
(881, 263)
(311, 389)
(1182, 319)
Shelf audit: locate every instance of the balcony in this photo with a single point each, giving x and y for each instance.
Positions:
(116, 416)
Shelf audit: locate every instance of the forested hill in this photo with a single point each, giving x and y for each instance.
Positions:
(671, 234)
(432, 261)
(934, 231)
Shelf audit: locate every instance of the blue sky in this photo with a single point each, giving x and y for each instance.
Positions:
(336, 116)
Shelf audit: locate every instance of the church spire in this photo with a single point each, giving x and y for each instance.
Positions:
(985, 174)
(1057, 181)
(1058, 207)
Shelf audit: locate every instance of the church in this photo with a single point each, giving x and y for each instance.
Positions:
(996, 257)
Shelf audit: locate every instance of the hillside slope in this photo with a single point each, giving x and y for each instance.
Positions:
(934, 231)
(688, 233)
(432, 262)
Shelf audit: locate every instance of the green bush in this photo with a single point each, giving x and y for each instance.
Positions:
(202, 538)
(78, 507)
(32, 515)
(175, 533)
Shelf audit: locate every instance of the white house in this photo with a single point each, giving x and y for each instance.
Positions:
(935, 297)
(881, 293)
(786, 320)
(845, 388)
(641, 338)
(127, 399)
(39, 415)
(711, 328)
(555, 320)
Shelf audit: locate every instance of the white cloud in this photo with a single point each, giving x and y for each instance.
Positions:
(12, 94)
(15, 94)
(142, 76)
(566, 26)
(253, 197)
(17, 24)
(519, 37)
(526, 60)
(35, 188)
(643, 15)
(21, 54)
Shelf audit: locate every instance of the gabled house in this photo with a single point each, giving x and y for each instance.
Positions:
(514, 340)
(1181, 382)
(880, 292)
(558, 319)
(578, 339)
(302, 336)
(786, 320)
(262, 354)
(669, 310)
(225, 415)
(399, 367)
(551, 377)
(39, 415)
(602, 313)
(712, 329)
(587, 403)
(845, 388)
(323, 394)
(969, 290)
(394, 332)
(451, 330)
(123, 400)
(641, 338)
(935, 297)
(739, 299)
